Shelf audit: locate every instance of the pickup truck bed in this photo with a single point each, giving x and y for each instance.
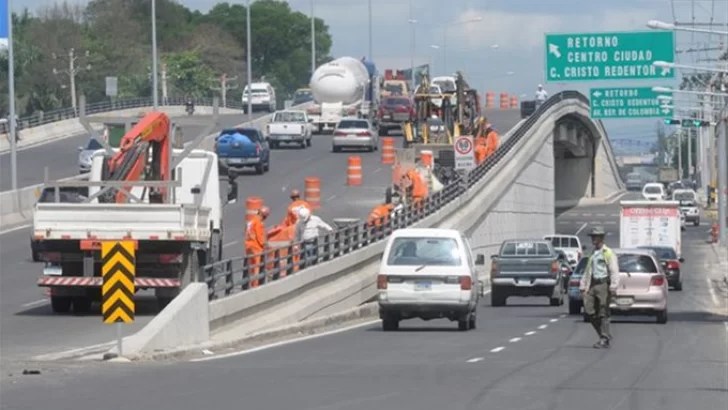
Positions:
(172, 222)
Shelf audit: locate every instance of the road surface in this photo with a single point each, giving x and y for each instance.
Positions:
(30, 328)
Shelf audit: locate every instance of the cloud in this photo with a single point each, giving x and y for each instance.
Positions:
(524, 31)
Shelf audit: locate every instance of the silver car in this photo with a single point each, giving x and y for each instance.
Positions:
(355, 133)
(85, 154)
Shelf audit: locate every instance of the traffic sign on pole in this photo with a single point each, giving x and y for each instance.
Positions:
(117, 290)
(627, 102)
(609, 56)
(464, 152)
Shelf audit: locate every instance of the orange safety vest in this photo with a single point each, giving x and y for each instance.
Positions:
(492, 141)
(379, 214)
(481, 153)
(255, 235)
(419, 188)
(292, 213)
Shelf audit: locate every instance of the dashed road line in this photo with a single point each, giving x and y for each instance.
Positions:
(497, 349)
(475, 359)
(554, 320)
(35, 303)
(532, 332)
(542, 327)
(515, 339)
(581, 228)
(713, 295)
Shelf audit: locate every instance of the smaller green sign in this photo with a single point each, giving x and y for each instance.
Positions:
(627, 102)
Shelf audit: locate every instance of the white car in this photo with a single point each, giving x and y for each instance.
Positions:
(688, 205)
(289, 127)
(354, 132)
(428, 274)
(570, 244)
(263, 97)
(654, 191)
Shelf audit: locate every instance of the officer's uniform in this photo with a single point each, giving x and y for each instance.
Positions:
(601, 277)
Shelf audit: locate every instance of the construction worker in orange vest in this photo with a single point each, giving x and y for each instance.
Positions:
(292, 214)
(418, 187)
(380, 215)
(255, 241)
(481, 153)
(492, 140)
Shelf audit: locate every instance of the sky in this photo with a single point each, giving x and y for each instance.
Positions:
(504, 52)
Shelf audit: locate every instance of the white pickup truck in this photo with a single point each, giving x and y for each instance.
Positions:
(289, 127)
(173, 239)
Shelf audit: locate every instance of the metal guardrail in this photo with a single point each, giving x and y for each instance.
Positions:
(44, 118)
(235, 275)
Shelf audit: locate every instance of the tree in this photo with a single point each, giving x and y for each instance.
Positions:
(188, 75)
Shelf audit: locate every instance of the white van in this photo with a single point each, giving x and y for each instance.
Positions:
(654, 191)
(570, 244)
(263, 97)
(428, 274)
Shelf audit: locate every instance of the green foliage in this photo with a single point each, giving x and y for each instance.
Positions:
(196, 47)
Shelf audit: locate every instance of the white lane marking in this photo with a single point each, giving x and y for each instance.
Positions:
(563, 315)
(586, 214)
(515, 339)
(475, 359)
(610, 223)
(713, 295)
(542, 327)
(65, 353)
(554, 320)
(726, 326)
(17, 228)
(286, 342)
(35, 303)
(581, 229)
(601, 215)
(377, 170)
(532, 332)
(331, 198)
(230, 244)
(497, 349)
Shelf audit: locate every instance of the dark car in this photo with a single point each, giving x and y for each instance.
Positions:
(393, 112)
(575, 299)
(239, 148)
(66, 195)
(671, 262)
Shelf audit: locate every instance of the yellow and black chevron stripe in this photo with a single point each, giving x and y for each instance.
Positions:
(117, 291)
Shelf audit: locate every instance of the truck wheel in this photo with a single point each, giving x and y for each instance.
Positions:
(662, 317)
(497, 299)
(274, 145)
(81, 304)
(696, 222)
(259, 169)
(473, 321)
(464, 323)
(574, 307)
(60, 304)
(390, 324)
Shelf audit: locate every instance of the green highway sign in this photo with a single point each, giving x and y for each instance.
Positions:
(609, 56)
(626, 102)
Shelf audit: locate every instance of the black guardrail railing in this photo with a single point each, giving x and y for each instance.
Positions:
(43, 118)
(236, 274)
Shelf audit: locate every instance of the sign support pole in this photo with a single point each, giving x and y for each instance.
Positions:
(118, 339)
(13, 134)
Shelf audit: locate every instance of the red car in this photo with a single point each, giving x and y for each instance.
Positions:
(393, 112)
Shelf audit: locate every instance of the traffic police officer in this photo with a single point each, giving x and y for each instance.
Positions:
(598, 284)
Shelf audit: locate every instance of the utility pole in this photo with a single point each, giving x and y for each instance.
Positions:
(371, 42)
(72, 70)
(165, 96)
(313, 39)
(225, 85)
(679, 152)
(155, 72)
(249, 62)
(13, 131)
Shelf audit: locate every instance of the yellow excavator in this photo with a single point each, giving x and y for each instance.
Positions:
(435, 126)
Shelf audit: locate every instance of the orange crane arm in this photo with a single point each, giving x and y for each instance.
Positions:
(129, 163)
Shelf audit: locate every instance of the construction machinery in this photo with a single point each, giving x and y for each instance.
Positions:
(166, 201)
(434, 127)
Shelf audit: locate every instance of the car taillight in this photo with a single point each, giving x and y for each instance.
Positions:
(258, 148)
(579, 254)
(673, 265)
(381, 282)
(657, 280)
(364, 134)
(466, 283)
(554, 268)
(51, 256)
(574, 282)
(493, 269)
(340, 133)
(412, 112)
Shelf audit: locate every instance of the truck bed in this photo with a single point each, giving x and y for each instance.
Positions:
(173, 222)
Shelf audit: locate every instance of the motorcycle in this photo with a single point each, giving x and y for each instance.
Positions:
(190, 108)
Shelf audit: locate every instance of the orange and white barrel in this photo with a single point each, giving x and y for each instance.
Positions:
(312, 192)
(490, 99)
(388, 151)
(426, 158)
(504, 101)
(353, 170)
(514, 102)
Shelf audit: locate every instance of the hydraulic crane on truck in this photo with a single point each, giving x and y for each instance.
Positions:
(144, 153)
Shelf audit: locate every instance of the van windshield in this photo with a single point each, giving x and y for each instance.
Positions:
(424, 251)
(653, 189)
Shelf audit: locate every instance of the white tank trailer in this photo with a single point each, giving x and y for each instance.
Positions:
(339, 88)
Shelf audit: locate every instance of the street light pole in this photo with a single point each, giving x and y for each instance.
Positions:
(722, 181)
(155, 74)
(313, 39)
(412, 46)
(249, 62)
(72, 70)
(12, 135)
(371, 43)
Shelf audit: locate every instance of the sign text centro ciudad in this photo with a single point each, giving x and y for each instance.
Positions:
(609, 56)
(627, 102)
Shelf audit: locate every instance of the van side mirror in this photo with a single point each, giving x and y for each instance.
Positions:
(681, 259)
(494, 256)
(310, 120)
(80, 149)
(195, 190)
(480, 259)
(583, 247)
(481, 287)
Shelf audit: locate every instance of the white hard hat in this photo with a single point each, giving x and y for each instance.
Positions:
(304, 213)
(540, 86)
